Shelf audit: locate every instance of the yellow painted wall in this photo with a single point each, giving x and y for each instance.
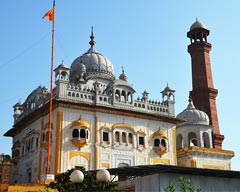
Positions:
(25, 188)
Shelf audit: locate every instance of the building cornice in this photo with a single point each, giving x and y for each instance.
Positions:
(202, 150)
(44, 110)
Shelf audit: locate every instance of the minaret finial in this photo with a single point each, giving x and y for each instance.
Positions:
(189, 98)
(92, 42)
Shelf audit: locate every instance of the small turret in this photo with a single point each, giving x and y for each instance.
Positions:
(18, 109)
(145, 96)
(168, 98)
(62, 72)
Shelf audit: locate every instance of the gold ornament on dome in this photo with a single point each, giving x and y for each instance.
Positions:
(80, 123)
(160, 133)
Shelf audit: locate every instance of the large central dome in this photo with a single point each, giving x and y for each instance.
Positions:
(91, 64)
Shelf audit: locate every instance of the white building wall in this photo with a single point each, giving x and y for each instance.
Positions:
(158, 182)
(113, 154)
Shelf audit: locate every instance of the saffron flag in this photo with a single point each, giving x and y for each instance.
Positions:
(49, 15)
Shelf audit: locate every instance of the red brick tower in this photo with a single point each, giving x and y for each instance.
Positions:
(203, 92)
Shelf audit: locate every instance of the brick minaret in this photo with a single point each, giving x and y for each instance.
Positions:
(203, 92)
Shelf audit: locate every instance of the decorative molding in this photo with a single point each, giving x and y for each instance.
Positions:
(77, 153)
(174, 145)
(58, 146)
(96, 142)
(206, 150)
(205, 166)
(105, 127)
(105, 165)
(115, 111)
(160, 161)
(123, 125)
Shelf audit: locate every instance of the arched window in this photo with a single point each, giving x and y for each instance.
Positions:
(47, 135)
(82, 133)
(22, 150)
(130, 138)
(37, 142)
(105, 136)
(43, 136)
(141, 140)
(124, 137)
(29, 175)
(179, 141)
(156, 142)
(129, 98)
(163, 144)
(117, 95)
(192, 139)
(117, 136)
(206, 140)
(75, 133)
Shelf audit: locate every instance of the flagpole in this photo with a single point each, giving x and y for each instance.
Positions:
(50, 97)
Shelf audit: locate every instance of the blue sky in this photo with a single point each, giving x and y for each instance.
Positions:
(147, 38)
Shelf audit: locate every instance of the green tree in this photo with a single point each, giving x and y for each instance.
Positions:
(90, 183)
(184, 185)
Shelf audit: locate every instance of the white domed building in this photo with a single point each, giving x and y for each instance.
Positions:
(194, 141)
(195, 131)
(97, 123)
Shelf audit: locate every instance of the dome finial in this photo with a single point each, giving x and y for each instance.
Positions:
(189, 98)
(123, 76)
(122, 69)
(190, 103)
(92, 42)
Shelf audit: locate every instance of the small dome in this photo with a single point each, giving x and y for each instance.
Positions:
(193, 116)
(160, 133)
(95, 64)
(167, 89)
(80, 123)
(197, 24)
(123, 76)
(62, 65)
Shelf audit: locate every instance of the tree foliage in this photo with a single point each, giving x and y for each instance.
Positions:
(90, 183)
(184, 185)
